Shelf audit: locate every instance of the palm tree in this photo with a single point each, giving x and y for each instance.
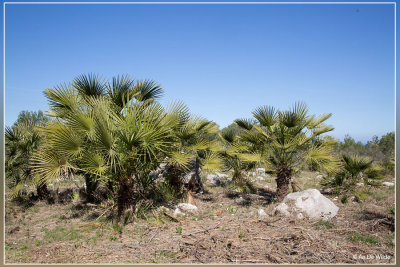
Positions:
(195, 138)
(353, 169)
(284, 141)
(22, 140)
(236, 157)
(93, 136)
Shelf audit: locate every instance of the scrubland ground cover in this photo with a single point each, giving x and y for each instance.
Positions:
(227, 229)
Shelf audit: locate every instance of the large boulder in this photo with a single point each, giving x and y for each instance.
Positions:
(310, 203)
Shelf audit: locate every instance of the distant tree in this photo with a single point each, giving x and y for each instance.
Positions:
(386, 143)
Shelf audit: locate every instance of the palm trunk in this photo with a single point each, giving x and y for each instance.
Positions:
(90, 188)
(283, 177)
(125, 195)
(42, 191)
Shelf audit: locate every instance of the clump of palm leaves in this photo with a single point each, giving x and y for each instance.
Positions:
(115, 132)
(284, 141)
(236, 158)
(22, 140)
(195, 138)
(108, 131)
(353, 169)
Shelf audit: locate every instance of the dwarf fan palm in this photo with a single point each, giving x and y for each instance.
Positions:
(195, 139)
(93, 136)
(236, 157)
(353, 169)
(22, 140)
(283, 139)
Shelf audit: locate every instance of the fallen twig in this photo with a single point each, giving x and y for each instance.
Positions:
(105, 212)
(269, 222)
(277, 238)
(172, 217)
(202, 231)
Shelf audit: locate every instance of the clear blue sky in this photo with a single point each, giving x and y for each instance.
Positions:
(221, 60)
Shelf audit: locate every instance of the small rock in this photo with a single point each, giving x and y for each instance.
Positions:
(300, 216)
(241, 201)
(221, 175)
(282, 208)
(388, 184)
(162, 209)
(261, 213)
(213, 179)
(327, 191)
(319, 176)
(260, 171)
(360, 184)
(178, 212)
(186, 207)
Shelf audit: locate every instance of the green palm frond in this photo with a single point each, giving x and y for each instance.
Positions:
(265, 115)
(300, 109)
(121, 90)
(49, 165)
(228, 136)
(90, 85)
(179, 159)
(246, 124)
(355, 164)
(314, 121)
(324, 157)
(321, 129)
(61, 99)
(93, 163)
(148, 89)
(177, 112)
(63, 139)
(212, 161)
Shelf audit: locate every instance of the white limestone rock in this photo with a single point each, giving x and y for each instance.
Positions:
(178, 212)
(260, 171)
(389, 184)
(213, 179)
(311, 203)
(300, 216)
(221, 175)
(261, 213)
(186, 207)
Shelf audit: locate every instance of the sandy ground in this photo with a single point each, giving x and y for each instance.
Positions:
(226, 229)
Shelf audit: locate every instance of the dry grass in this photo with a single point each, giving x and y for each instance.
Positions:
(226, 230)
